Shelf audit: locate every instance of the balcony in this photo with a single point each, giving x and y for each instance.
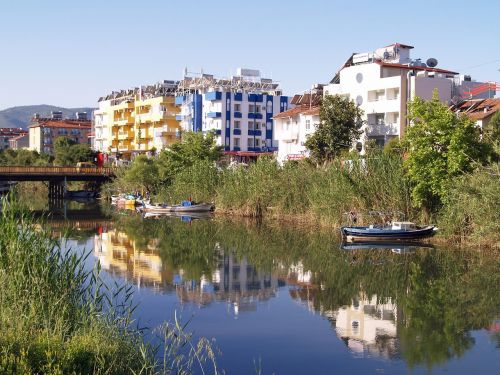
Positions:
(289, 136)
(237, 131)
(123, 136)
(255, 98)
(382, 129)
(238, 96)
(213, 114)
(255, 115)
(255, 132)
(237, 114)
(214, 95)
(179, 117)
(179, 100)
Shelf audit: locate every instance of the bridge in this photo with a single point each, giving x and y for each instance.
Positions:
(57, 177)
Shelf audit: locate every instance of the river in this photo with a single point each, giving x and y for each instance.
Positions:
(292, 301)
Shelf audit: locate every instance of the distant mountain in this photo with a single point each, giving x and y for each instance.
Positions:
(19, 117)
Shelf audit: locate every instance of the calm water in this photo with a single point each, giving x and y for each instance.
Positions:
(295, 301)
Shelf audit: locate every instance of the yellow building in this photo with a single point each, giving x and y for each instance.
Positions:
(141, 120)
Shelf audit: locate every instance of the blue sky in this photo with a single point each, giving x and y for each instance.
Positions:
(69, 53)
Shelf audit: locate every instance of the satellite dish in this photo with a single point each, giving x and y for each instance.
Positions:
(386, 55)
(432, 62)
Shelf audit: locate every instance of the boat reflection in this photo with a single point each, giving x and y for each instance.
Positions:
(184, 217)
(398, 247)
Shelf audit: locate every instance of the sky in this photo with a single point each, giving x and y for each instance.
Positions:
(69, 53)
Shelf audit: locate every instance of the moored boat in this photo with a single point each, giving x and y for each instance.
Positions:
(185, 206)
(397, 231)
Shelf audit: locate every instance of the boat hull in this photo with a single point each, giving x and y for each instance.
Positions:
(364, 234)
(203, 207)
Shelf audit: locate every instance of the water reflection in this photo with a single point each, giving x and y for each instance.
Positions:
(412, 303)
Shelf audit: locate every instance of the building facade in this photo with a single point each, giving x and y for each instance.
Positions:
(479, 110)
(294, 126)
(8, 134)
(140, 120)
(20, 142)
(382, 82)
(44, 131)
(239, 110)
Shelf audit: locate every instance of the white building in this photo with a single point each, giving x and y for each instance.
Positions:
(240, 110)
(293, 127)
(382, 82)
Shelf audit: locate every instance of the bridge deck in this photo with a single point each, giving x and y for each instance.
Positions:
(55, 173)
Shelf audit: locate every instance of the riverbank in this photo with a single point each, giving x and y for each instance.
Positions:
(59, 317)
(312, 196)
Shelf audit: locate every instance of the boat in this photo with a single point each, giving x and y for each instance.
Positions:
(183, 216)
(397, 230)
(124, 200)
(185, 206)
(80, 194)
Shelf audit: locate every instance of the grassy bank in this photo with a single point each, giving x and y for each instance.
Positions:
(58, 318)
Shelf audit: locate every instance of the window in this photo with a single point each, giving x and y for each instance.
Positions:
(236, 142)
(251, 108)
(250, 142)
(237, 125)
(257, 142)
(237, 107)
(308, 124)
(250, 125)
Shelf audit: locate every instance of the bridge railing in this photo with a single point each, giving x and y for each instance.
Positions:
(57, 170)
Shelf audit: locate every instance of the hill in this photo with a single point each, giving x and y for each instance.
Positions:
(19, 117)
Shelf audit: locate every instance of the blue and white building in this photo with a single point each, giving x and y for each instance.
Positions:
(240, 109)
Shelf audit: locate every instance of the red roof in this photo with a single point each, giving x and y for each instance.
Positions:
(69, 124)
(408, 67)
(304, 110)
(478, 109)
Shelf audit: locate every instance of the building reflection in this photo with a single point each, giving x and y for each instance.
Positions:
(141, 265)
(367, 326)
(233, 281)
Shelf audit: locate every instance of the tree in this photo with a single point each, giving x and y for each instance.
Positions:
(194, 147)
(142, 174)
(340, 125)
(492, 132)
(68, 152)
(441, 145)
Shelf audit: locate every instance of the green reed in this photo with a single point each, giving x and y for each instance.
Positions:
(57, 317)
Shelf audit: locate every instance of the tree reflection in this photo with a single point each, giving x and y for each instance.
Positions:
(438, 296)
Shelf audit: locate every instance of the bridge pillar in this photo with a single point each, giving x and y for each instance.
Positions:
(56, 190)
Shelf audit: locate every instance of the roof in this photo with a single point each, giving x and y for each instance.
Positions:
(400, 45)
(307, 99)
(69, 124)
(478, 109)
(411, 67)
(12, 131)
(16, 138)
(302, 110)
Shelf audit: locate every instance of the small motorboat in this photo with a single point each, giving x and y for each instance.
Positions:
(124, 200)
(397, 231)
(185, 206)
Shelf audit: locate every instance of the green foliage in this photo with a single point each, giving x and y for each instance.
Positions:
(340, 125)
(492, 132)
(142, 174)
(24, 157)
(470, 209)
(67, 152)
(194, 147)
(440, 146)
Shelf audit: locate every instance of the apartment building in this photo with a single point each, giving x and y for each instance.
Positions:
(239, 110)
(8, 134)
(19, 142)
(382, 82)
(44, 131)
(295, 125)
(135, 121)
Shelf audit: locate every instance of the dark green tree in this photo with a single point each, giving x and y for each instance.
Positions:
(340, 125)
(194, 147)
(68, 152)
(441, 145)
(142, 174)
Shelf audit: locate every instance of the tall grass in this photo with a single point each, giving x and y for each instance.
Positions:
(471, 209)
(325, 193)
(56, 317)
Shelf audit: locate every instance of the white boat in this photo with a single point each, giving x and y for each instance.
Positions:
(184, 207)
